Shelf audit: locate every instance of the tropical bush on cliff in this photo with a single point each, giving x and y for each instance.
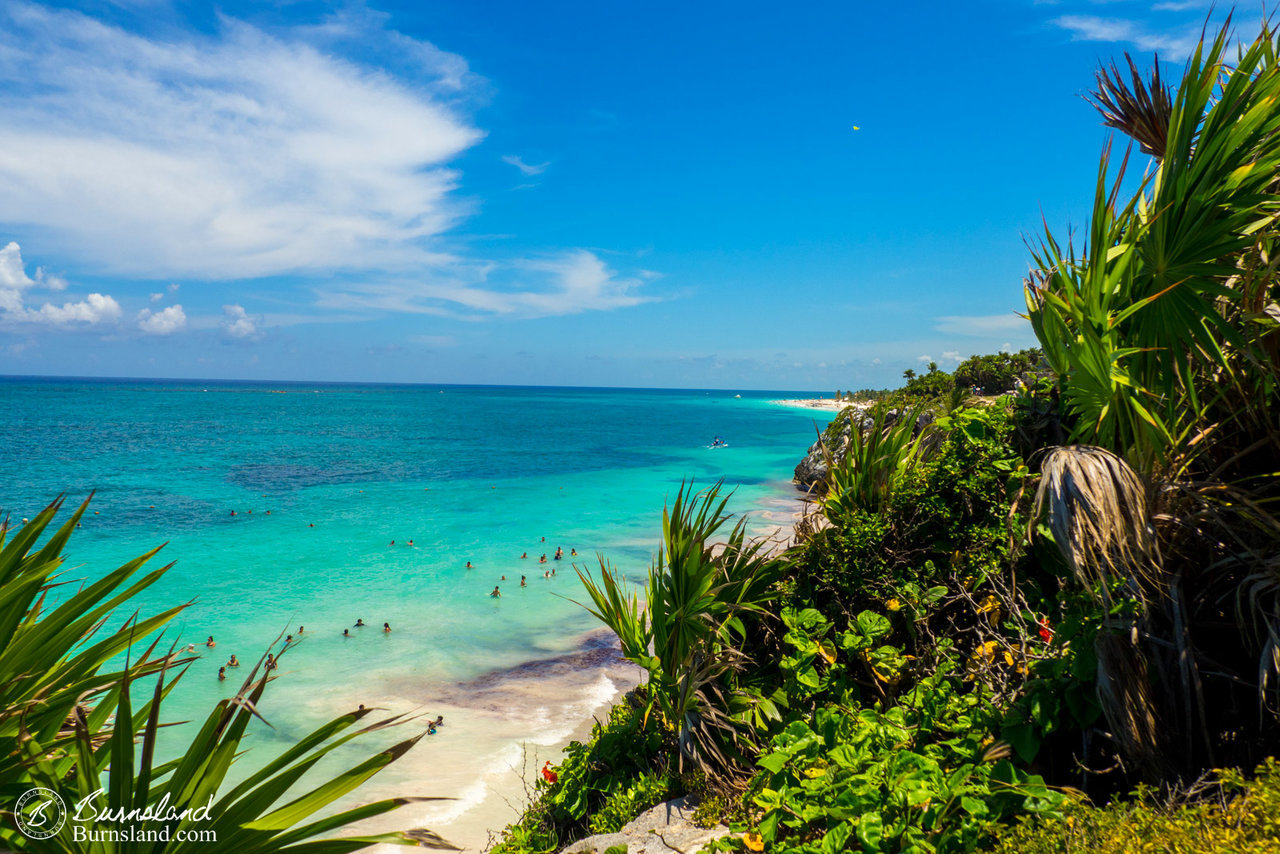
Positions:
(68, 724)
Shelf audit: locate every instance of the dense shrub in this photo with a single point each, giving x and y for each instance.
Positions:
(1243, 817)
(625, 767)
(997, 373)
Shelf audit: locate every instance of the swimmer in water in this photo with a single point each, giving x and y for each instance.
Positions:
(411, 542)
(359, 624)
(504, 578)
(190, 648)
(469, 566)
(222, 673)
(524, 555)
(233, 661)
(300, 628)
(210, 642)
(232, 512)
(522, 583)
(546, 573)
(386, 627)
(271, 662)
(392, 543)
(542, 559)
(288, 640)
(573, 552)
(312, 525)
(496, 594)
(346, 633)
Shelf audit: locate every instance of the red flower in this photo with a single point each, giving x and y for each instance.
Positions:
(549, 775)
(1046, 633)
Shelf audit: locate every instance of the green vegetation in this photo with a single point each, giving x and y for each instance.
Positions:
(1226, 814)
(995, 373)
(999, 615)
(68, 722)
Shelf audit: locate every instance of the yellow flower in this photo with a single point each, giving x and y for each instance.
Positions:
(753, 841)
(893, 605)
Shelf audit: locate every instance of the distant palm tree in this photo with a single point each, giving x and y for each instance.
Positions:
(908, 375)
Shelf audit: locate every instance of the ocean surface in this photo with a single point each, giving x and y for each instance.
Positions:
(284, 505)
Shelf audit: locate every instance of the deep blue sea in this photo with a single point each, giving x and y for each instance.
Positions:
(285, 505)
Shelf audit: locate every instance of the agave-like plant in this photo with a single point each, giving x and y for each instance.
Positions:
(67, 724)
(52, 657)
(876, 459)
(688, 632)
(1142, 327)
(188, 798)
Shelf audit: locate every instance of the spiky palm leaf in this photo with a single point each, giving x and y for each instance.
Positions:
(687, 634)
(54, 657)
(1139, 109)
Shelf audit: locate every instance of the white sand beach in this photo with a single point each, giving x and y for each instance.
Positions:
(824, 403)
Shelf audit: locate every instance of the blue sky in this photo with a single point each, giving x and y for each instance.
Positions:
(596, 193)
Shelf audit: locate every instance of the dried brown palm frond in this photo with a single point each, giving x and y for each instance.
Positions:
(1138, 109)
(1096, 508)
(1124, 692)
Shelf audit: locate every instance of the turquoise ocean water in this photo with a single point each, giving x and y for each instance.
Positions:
(322, 479)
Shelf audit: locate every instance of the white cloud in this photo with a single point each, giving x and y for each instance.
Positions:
(876, 360)
(163, 322)
(981, 325)
(925, 359)
(1006, 347)
(952, 356)
(1173, 45)
(238, 154)
(237, 323)
(526, 168)
(12, 272)
(157, 297)
(96, 308)
(568, 283)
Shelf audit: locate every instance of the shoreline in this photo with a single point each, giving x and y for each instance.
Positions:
(823, 403)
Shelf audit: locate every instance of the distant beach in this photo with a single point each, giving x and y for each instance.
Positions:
(824, 403)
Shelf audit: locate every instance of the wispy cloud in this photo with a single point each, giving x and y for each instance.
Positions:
(238, 154)
(1183, 5)
(525, 168)
(1173, 44)
(982, 325)
(564, 283)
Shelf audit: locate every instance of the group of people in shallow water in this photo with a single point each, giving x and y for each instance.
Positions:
(550, 573)
(273, 662)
